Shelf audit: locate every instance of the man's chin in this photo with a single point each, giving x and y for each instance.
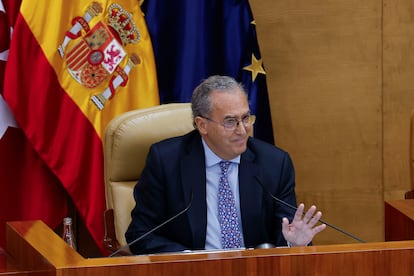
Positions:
(240, 149)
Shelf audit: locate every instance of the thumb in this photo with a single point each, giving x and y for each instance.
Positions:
(285, 226)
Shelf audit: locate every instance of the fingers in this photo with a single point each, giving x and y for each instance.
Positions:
(285, 222)
(315, 219)
(285, 225)
(319, 228)
(310, 218)
(302, 229)
(309, 214)
(299, 212)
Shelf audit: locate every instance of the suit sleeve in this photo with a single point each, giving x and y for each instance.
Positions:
(150, 210)
(285, 192)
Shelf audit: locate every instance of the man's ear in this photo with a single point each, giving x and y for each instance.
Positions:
(201, 124)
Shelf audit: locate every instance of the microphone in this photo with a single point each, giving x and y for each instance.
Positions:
(154, 229)
(294, 208)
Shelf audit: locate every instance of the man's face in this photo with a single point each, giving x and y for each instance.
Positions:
(225, 143)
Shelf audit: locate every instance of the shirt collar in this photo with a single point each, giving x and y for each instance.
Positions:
(212, 159)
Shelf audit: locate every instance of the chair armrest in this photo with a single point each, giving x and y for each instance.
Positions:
(110, 242)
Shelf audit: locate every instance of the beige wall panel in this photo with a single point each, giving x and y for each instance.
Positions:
(335, 206)
(398, 94)
(323, 63)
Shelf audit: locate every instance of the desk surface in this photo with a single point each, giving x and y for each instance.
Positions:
(399, 220)
(37, 247)
(405, 206)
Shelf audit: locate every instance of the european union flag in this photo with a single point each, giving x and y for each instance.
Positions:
(194, 39)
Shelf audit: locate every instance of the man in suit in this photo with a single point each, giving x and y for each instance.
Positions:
(228, 177)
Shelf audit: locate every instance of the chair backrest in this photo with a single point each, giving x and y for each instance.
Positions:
(126, 144)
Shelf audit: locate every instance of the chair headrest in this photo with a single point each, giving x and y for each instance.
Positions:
(129, 136)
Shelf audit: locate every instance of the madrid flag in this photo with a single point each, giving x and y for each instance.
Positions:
(20, 165)
(72, 67)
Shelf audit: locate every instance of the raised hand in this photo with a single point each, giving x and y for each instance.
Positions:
(302, 229)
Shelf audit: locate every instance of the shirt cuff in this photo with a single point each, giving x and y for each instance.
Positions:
(290, 244)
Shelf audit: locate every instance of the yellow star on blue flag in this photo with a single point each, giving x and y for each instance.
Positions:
(226, 45)
(255, 67)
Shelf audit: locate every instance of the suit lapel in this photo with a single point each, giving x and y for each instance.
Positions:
(250, 195)
(194, 185)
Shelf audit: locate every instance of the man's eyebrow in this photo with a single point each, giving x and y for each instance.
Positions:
(235, 117)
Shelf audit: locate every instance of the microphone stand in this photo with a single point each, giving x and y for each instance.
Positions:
(153, 229)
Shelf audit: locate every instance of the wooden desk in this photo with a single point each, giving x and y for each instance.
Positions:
(8, 266)
(399, 220)
(37, 247)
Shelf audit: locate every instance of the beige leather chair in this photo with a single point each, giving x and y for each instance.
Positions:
(126, 144)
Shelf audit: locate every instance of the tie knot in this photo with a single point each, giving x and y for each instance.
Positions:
(224, 166)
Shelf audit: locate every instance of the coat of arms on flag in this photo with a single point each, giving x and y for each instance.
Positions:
(95, 54)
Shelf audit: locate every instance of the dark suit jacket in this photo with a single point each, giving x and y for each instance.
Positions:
(175, 172)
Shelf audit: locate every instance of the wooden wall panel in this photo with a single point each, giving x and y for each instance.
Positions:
(398, 100)
(324, 69)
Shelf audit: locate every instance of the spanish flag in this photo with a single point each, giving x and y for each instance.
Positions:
(72, 67)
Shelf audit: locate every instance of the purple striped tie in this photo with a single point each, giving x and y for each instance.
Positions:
(229, 223)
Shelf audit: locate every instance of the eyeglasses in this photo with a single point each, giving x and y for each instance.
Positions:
(231, 124)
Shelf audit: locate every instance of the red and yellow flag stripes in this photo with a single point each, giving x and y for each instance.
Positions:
(72, 67)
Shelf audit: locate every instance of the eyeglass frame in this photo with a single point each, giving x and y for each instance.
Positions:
(235, 122)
